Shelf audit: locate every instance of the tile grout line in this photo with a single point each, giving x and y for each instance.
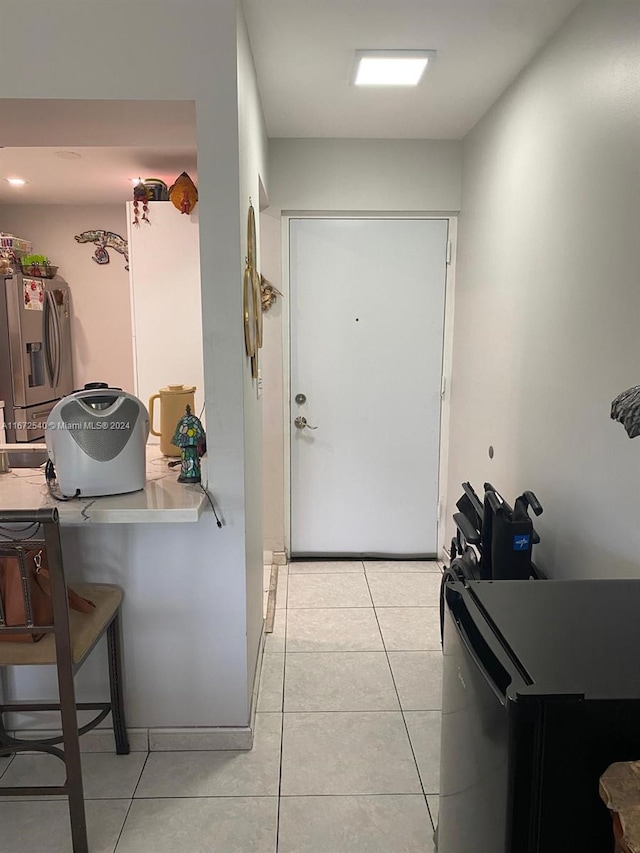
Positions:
(126, 817)
(360, 652)
(9, 762)
(284, 676)
(404, 720)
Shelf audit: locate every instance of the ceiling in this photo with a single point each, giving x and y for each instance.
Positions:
(116, 140)
(304, 54)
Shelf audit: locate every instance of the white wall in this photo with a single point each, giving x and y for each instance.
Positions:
(184, 49)
(253, 144)
(547, 294)
(273, 391)
(100, 311)
(365, 174)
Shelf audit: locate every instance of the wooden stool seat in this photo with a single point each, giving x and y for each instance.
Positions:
(620, 791)
(85, 629)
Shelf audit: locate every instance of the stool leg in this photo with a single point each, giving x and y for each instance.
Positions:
(116, 685)
(71, 739)
(3, 733)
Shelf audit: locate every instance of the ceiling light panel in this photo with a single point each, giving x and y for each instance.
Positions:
(391, 67)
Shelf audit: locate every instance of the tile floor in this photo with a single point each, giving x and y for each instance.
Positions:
(346, 754)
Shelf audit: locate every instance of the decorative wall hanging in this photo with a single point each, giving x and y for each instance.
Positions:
(140, 195)
(105, 240)
(269, 293)
(183, 194)
(249, 313)
(251, 298)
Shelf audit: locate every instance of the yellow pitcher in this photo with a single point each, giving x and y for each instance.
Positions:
(173, 401)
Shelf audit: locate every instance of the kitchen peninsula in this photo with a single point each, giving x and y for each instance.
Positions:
(156, 544)
(163, 499)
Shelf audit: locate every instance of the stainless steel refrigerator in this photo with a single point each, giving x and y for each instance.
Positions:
(35, 353)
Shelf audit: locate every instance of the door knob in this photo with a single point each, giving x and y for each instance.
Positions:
(301, 423)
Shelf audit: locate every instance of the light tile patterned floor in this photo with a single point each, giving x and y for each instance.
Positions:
(347, 746)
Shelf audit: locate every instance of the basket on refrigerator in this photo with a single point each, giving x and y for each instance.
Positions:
(16, 245)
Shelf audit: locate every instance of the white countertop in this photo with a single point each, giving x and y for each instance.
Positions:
(163, 499)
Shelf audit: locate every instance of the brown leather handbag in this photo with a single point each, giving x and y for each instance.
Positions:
(13, 597)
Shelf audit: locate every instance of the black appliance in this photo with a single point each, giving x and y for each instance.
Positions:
(541, 693)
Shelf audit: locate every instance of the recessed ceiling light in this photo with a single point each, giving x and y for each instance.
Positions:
(391, 67)
(68, 155)
(16, 182)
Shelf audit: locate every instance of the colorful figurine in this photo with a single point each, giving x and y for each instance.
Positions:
(190, 438)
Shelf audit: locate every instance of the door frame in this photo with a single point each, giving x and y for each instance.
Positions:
(447, 351)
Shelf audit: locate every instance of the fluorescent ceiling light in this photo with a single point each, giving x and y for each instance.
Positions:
(391, 67)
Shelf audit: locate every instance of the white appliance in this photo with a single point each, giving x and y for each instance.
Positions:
(96, 439)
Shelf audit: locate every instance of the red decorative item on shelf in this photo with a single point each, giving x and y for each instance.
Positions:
(140, 194)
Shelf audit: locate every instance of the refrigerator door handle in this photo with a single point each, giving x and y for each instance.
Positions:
(46, 338)
(58, 331)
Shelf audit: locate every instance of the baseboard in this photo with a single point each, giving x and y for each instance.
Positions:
(200, 738)
(219, 738)
(178, 739)
(97, 740)
(160, 740)
(279, 558)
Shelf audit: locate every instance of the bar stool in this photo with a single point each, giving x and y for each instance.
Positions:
(66, 644)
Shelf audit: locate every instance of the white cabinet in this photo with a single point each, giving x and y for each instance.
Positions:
(164, 270)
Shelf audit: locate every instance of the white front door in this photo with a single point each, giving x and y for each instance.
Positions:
(367, 317)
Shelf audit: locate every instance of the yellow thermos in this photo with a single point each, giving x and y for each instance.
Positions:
(173, 401)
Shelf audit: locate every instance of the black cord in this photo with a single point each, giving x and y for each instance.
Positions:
(218, 522)
(50, 476)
